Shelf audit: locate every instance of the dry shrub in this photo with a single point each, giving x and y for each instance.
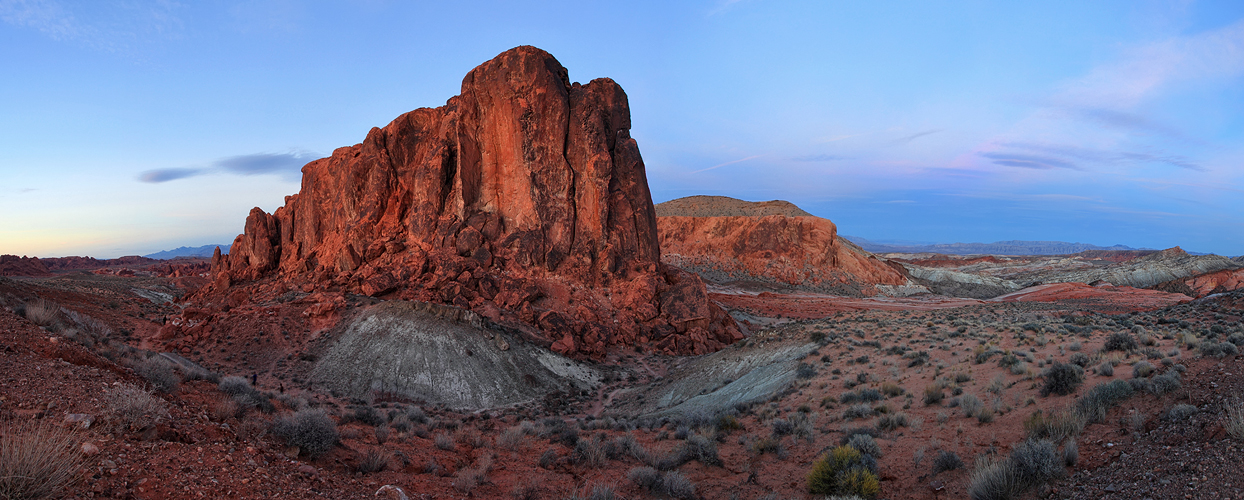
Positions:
(469, 437)
(225, 409)
(311, 430)
(374, 460)
(43, 312)
(469, 478)
(37, 460)
(134, 408)
(157, 371)
(1235, 420)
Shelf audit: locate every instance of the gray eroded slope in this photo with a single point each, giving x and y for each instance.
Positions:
(442, 355)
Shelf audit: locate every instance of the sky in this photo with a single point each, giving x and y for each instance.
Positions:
(130, 127)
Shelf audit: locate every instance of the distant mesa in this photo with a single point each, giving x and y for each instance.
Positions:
(1013, 247)
(204, 251)
(524, 199)
(726, 240)
(12, 265)
(724, 206)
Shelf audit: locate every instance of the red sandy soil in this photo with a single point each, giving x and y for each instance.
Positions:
(1103, 298)
(194, 453)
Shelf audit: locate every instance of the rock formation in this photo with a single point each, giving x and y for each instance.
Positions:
(1166, 265)
(523, 199)
(725, 239)
(1199, 286)
(12, 265)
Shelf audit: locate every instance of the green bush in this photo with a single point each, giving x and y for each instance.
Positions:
(842, 471)
(678, 486)
(946, 460)
(971, 405)
(1031, 463)
(242, 392)
(1120, 341)
(866, 444)
(1181, 412)
(860, 396)
(1219, 350)
(1036, 461)
(311, 430)
(1062, 379)
(1079, 359)
(892, 421)
(1094, 404)
(1165, 383)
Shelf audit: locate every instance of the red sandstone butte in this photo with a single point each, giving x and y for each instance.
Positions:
(523, 199)
(768, 241)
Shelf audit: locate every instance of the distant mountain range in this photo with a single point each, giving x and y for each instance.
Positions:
(203, 251)
(1013, 247)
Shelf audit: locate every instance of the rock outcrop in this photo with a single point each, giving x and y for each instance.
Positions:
(1199, 286)
(1144, 272)
(12, 265)
(523, 199)
(767, 242)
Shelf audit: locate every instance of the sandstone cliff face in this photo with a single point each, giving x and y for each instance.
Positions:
(801, 251)
(523, 199)
(1199, 286)
(12, 265)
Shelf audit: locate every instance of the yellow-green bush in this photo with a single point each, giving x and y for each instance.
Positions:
(842, 472)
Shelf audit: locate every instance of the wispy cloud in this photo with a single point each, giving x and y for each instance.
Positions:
(1028, 161)
(1121, 120)
(110, 26)
(917, 135)
(169, 174)
(741, 160)
(819, 158)
(1105, 157)
(287, 164)
(48, 17)
(264, 163)
(1146, 70)
(28, 190)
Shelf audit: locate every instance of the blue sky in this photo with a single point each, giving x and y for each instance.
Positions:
(132, 127)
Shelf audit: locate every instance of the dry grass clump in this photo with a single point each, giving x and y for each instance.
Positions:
(1056, 427)
(672, 484)
(892, 421)
(510, 438)
(1235, 420)
(1031, 463)
(373, 460)
(37, 460)
(134, 408)
(43, 312)
(471, 477)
